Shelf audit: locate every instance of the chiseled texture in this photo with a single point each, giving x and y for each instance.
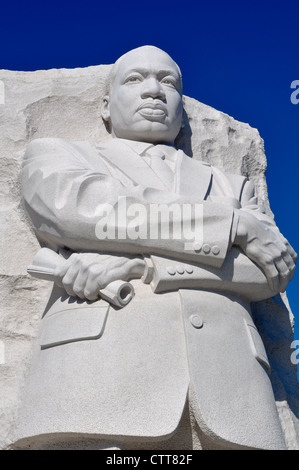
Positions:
(66, 104)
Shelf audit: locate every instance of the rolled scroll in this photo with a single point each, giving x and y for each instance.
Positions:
(118, 293)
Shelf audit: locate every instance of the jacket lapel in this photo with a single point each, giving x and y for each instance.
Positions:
(193, 177)
(123, 157)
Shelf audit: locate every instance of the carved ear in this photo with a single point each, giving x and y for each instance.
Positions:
(106, 108)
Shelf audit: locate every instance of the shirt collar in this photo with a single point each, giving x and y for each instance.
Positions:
(141, 147)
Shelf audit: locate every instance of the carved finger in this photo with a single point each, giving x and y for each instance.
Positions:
(69, 279)
(69, 290)
(290, 249)
(288, 255)
(292, 253)
(90, 295)
(290, 264)
(59, 273)
(78, 287)
(272, 276)
(91, 289)
(284, 274)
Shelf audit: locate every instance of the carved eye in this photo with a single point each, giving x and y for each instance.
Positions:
(169, 82)
(133, 79)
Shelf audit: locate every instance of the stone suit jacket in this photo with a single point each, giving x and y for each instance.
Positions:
(100, 371)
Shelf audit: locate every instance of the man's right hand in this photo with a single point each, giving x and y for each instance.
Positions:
(267, 247)
(83, 275)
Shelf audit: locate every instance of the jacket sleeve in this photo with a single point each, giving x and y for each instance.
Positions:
(238, 274)
(249, 203)
(65, 198)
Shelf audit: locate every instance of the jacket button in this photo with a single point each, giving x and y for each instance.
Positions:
(180, 270)
(206, 248)
(189, 270)
(171, 271)
(196, 321)
(197, 246)
(215, 250)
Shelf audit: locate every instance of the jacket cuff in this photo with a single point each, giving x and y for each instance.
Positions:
(148, 270)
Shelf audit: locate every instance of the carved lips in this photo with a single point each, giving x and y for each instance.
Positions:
(153, 110)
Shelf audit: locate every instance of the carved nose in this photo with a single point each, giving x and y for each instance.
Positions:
(153, 89)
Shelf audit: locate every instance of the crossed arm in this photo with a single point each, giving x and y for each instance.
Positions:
(84, 274)
(62, 205)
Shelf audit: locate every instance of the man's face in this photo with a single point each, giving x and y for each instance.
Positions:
(146, 98)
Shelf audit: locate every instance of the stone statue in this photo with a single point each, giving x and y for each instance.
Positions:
(148, 339)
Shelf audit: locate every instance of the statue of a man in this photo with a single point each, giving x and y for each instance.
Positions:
(183, 357)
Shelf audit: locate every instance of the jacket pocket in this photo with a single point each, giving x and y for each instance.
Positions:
(75, 324)
(257, 346)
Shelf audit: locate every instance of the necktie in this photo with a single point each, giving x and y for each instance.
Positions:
(159, 166)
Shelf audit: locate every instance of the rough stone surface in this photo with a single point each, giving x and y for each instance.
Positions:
(66, 103)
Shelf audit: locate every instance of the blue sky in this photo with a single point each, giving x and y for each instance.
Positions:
(239, 57)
